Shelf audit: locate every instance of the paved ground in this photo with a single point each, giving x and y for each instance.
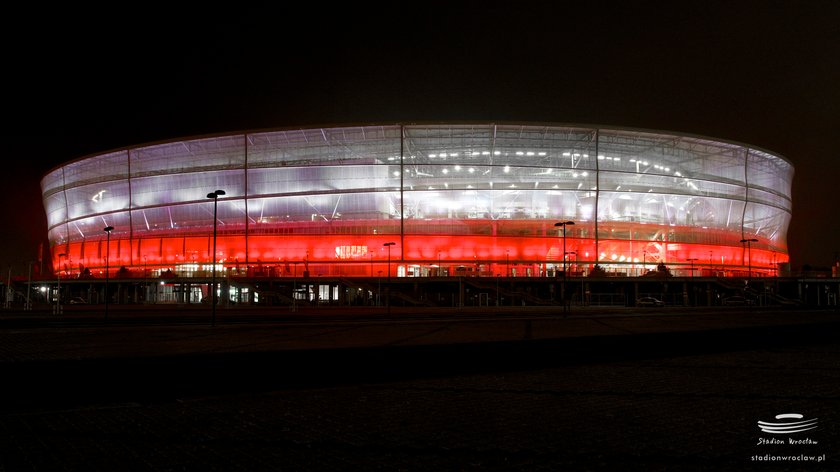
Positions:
(651, 392)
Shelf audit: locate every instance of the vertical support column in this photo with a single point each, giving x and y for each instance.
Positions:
(597, 193)
(402, 195)
(247, 221)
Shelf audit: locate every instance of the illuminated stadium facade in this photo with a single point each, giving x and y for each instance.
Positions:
(455, 199)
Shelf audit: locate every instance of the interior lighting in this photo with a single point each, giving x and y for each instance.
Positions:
(567, 154)
(575, 155)
(485, 153)
(454, 154)
(616, 158)
(445, 171)
(601, 158)
(471, 170)
(497, 153)
(433, 156)
(520, 153)
(396, 173)
(476, 153)
(457, 167)
(541, 153)
(586, 155)
(507, 169)
(529, 153)
(584, 173)
(443, 154)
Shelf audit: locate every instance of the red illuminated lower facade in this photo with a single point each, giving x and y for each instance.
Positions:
(527, 249)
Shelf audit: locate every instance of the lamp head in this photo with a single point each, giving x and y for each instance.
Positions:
(108, 229)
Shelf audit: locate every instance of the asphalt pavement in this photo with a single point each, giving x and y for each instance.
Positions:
(527, 390)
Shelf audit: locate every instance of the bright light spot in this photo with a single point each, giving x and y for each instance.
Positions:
(396, 173)
(97, 197)
(541, 153)
(586, 155)
(616, 158)
(566, 154)
(520, 153)
(497, 153)
(445, 171)
(585, 174)
(432, 155)
(507, 169)
(576, 155)
(443, 154)
(471, 170)
(457, 167)
(485, 153)
(476, 153)
(454, 154)
(601, 158)
(529, 153)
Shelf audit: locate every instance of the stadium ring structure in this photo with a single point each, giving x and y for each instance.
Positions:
(455, 199)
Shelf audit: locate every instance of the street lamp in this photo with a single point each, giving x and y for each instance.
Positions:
(388, 288)
(58, 289)
(563, 224)
(691, 260)
(215, 197)
(749, 256)
(107, 230)
(388, 245)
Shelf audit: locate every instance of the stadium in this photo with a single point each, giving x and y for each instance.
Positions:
(423, 200)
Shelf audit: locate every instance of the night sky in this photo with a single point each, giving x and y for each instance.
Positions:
(79, 80)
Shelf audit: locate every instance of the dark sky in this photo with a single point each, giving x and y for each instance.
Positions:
(80, 80)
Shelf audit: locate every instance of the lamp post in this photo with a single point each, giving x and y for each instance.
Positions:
(563, 224)
(107, 230)
(388, 288)
(215, 197)
(28, 287)
(57, 309)
(388, 245)
(749, 257)
(691, 260)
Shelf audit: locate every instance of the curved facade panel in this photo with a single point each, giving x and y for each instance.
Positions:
(480, 199)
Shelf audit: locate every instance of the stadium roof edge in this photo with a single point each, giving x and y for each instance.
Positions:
(421, 123)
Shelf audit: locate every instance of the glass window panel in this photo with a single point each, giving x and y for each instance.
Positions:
(225, 152)
(177, 188)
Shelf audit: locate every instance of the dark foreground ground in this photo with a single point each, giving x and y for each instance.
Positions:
(637, 391)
